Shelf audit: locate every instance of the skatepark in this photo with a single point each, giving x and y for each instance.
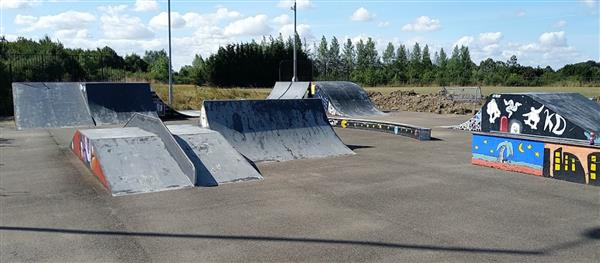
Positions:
(315, 173)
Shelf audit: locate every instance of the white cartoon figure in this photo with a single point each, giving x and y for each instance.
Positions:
(511, 107)
(555, 126)
(493, 110)
(533, 117)
(515, 127)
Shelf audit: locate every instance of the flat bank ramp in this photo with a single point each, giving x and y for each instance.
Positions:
(216, 161)
(289, 90)
(116, 103)
(129, 160)
(50, 105)
(343, 98)
(275, 130)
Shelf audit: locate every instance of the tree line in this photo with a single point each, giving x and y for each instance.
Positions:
(400, 66)
(260, 64)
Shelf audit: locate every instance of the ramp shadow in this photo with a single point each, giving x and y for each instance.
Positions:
(355, 147)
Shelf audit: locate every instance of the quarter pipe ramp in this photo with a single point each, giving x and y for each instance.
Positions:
(116, 103)
(343, 98)
(50, 105)
(275, 130)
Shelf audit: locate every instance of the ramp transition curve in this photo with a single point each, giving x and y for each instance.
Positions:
(275, 130)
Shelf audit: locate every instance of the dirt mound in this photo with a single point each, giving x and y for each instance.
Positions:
(411, 101)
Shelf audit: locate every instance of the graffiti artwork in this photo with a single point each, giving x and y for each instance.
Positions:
(525, 114)
(508, 154)
(83, 148)
(572, 163)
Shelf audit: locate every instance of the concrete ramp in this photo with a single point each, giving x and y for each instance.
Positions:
(289, 90)
(215, 160)
(472, 124)
(275, 130)
(343, 98)
(129, 160)
(559, 115)
(155, 125)
(116, 103)
(50, 105)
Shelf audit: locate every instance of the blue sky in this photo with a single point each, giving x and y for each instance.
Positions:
(544, 32)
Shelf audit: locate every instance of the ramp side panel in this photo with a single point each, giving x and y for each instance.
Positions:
(275, 130)
(345, 98)
(115, 103)
(50, 105)
(156, 126)
(216, 161)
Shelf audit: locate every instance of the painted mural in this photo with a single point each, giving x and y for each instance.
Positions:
(520, 114)
(83, 148)
(578, 164)
(572, 163)
(508, 154)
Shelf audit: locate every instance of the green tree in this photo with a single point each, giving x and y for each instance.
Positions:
(335, 62)
(348, 57)
(135, 63)
(389, 54)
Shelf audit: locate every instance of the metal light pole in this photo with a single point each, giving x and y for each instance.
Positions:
(294, 78)
(170, 65)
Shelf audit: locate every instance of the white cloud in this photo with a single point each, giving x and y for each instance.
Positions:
(383, 24)
(146, 5)
(66, 20)
(464, 41)
(112, 8)
(590, 3)
(162, 20)
(251, 26)
(304, 31)
(301, 4)
(362, 14)
(489, 38)
(14, 4)
(560, 24)
(553, 39)
(283, 20)
(422, 24)
(521, 13)
(201, 20)
(65, 34)
(119, 26)
(225, 14)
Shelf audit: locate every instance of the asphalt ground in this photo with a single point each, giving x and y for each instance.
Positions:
(396, 200)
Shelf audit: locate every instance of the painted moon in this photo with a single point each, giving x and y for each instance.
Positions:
(521, 148)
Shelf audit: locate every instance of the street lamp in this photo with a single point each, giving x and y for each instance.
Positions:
(170, 65)
(294, 8)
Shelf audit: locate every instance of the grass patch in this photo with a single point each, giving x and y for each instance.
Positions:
(190, 97)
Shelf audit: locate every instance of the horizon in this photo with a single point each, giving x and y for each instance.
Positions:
(540, 33)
